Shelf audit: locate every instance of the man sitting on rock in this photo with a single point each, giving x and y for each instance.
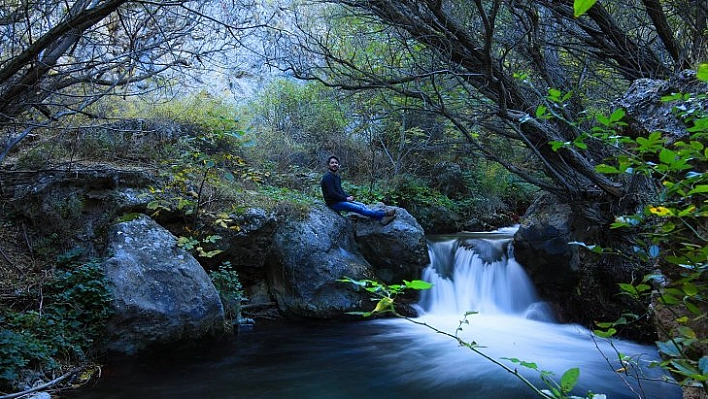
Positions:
(338, 200)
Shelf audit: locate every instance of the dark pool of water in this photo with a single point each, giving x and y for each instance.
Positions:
(352, 360)
(317, 360)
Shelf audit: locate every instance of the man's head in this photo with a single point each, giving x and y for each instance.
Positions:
(333, 164)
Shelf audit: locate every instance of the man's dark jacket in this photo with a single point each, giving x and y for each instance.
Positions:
(332, 189)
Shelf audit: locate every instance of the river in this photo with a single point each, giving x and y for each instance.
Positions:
(396, 358)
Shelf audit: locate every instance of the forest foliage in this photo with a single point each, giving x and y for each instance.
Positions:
(441, 107)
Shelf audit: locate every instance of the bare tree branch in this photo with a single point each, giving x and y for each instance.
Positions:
(55, 56)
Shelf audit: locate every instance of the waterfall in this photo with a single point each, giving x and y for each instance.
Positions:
(477, 272)
(481, 275)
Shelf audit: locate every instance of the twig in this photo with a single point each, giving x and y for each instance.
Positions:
(39, 387)
(27, 241)
(11, 263)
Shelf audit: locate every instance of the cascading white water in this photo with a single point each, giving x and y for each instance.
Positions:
(480, 276)
(478, 273)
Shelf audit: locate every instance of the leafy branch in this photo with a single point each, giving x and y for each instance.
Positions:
(385, 296)
(670, 236)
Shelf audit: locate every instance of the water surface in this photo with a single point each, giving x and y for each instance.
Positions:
(396, 358)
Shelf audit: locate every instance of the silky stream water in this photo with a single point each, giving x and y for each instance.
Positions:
(397, 358)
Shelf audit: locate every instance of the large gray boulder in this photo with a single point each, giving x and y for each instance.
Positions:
(309, 254)
(161, 293)
(397, 251)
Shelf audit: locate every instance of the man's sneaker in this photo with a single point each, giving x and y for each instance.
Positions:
(387, 219)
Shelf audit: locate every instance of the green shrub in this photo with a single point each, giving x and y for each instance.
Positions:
(293, 124)
(20, 350)
(68, 322)
(226, 281)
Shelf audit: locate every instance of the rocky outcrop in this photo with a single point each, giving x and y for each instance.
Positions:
(646, 112)
(248, 244)
(245, 243)
(541, 246)
(582, 284)
(161, 293)
(308, 256)
(396, 251)
(288, 259)
(78, 204)
(436, 219)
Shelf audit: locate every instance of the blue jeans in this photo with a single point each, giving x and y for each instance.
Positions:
(357, 207)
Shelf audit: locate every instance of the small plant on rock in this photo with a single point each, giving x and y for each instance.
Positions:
(226, 281)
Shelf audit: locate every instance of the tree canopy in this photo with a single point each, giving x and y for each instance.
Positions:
(529, 71)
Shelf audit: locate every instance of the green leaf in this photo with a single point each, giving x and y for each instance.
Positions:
(212, 238)
(569, 379)
(541, 111)
(384, 305)
(667, 156)
(676, 260)
(684, 368)
(643, 287)
(210, 254)
(605, 334)
(554, 95)
(669, 300)
(555, 145)
(693, 308)
(702, 72)
(686, 332)
(580, 144)
(668, 348)
(524, 363)
(629, 288)
(580, 7)
(668, 227)
(607, 169)
(602, 119)
(363, 314)
(703, 188)
(418, 285)
(617, 115)
(690, 289)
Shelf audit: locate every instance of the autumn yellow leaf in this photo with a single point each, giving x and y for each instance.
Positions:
(660, 211)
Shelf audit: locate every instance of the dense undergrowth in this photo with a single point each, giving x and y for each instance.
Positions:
(38, 341)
